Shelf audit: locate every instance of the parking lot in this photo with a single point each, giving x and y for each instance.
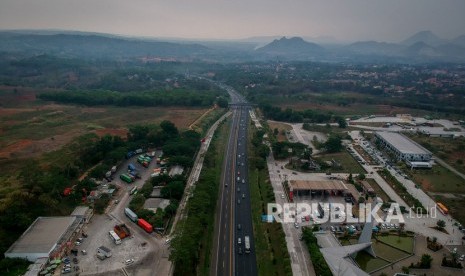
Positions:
(131, 248)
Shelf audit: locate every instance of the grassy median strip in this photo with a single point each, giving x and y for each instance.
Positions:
(192, 243)
(270, 244)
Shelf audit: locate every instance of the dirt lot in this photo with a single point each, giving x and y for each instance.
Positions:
(29, 132)
(281, 128)
(130, 248)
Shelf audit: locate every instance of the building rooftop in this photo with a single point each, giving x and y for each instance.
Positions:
(80, 211)
(42, 236)
(402, 143)
(318, 185)
(155, 203)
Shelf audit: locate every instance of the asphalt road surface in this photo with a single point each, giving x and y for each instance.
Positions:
(234, 217)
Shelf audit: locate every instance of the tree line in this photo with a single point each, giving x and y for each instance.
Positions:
(178, 97)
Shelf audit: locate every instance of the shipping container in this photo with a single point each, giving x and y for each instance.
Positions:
(126, 178)
(145, 225)
(130, 214)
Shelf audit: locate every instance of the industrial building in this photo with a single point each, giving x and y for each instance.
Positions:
(46, 237)
(49, 237)
(402, 147)
(329, 187)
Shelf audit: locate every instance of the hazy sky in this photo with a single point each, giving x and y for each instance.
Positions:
(386, 20)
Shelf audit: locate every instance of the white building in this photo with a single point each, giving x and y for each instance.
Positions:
(403, 148)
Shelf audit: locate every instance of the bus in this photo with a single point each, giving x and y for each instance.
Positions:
(247, 244)
(115, 237)
(133, 191)
(442, 208)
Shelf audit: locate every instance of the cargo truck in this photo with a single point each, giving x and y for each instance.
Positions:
(145, 225)
(122, 231)
(104, 251)
(247, 244)
(135, 173)
(126, 178)
(130, 214)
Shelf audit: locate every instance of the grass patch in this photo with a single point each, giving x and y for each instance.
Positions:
(438, 179)
(282, 129)
(402, 243)
(348, 163)
(455, 206)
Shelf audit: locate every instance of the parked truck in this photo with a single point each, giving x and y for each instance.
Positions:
(126, 178)
(104, 251)
(131, 167)
(135, 173)
(130, 214)
(145, 225)
(122, 231)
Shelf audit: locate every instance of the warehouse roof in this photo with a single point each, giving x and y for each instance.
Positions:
(402, 143)
(42, 236)
(322, 185)
(80, 211)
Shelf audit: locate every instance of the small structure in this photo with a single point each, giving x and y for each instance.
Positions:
(153, 204)
(176, 170)
(83, 212)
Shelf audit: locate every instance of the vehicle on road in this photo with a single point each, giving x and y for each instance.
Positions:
(239, 241)
(239, 227)
(247, 244)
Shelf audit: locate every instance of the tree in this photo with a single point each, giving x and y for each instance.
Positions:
(169, 128)
(341, 122)
(275, 131)
(222, 102)
(441, 224)
(425, 261)
(361, 199)
(361, 176)
(334, 144)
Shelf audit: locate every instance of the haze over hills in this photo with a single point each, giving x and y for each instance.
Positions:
(420, 47)
(294, 47)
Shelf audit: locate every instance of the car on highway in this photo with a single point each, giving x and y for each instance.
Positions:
(239, 226)
(282, 196)
(296, 225)
(239, 241)
(238, 201)
(462, 258)
(243, 195)
(240, 250)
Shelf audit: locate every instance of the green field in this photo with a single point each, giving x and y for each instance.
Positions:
(348, 163)
(438, 179)
(403, 243)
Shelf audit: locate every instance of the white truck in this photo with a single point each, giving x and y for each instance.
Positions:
(247, 244)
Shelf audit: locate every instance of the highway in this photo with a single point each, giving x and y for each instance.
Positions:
(233, 219)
